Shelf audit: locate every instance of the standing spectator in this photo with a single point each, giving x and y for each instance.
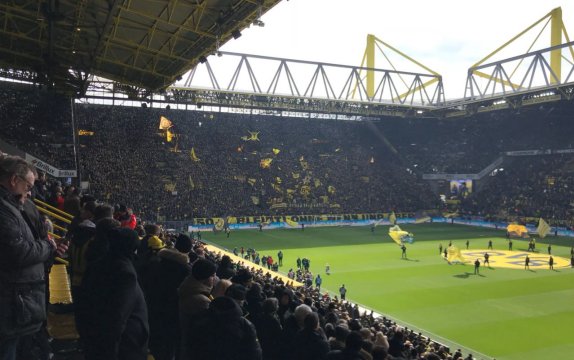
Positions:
(72, 201)
(318, 282)
(280, 257)
(194, 298)
(222, 333)
(165, 278)
(269, 329)
(126, 217)
(343, 292)
(310, 342)
(22, 258)
(79, 243)
(114, 313)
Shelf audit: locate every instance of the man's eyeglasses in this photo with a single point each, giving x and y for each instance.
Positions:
(29, 186)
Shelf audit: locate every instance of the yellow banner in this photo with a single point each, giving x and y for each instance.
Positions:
(85, 133)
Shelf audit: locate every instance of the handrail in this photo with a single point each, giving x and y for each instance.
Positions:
(48, 212)
(59, 227)
(62, 213)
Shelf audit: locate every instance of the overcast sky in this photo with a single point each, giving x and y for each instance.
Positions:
(448, 36)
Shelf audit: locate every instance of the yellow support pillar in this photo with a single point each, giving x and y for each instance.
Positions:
(370, 53)
(556, 39)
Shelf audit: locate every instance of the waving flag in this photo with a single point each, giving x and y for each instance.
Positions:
(164, 123)
(454, 255)
(400, 236)
(543, 228)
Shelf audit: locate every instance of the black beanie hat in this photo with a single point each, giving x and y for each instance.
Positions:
(183, 243)
(203, 269)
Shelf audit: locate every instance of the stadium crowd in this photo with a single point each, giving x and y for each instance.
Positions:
(216, 163)
(138, 290)
(38, 123)
(221, 164)
(315, 166)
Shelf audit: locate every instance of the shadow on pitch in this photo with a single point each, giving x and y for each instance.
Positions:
(466, 275)
(407, 259)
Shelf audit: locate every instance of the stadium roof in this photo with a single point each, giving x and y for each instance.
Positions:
(144, 43)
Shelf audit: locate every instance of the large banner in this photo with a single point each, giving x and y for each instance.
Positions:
(292, 221)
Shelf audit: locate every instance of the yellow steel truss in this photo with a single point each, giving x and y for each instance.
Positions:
(554, 19)
(369, 59)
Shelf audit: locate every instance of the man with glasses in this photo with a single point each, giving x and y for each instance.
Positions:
(22, 258)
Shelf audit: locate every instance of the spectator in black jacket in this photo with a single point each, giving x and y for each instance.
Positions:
(22, 259)
(222, 333)
(113, 307)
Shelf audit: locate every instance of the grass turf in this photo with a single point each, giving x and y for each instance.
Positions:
(503, 313)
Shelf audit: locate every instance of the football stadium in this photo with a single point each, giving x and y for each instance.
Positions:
(162, 198)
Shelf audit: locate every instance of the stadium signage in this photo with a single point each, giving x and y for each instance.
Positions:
(49, 169)
(292, 218)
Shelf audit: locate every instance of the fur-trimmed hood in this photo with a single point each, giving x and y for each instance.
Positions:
(173, 255)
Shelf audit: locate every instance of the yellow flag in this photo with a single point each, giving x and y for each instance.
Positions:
(331, 189)
(192, 155)
(169, 135)
(164, 123)
(170, 187)
(265, 163)
(278, 180)
(251, 181)
(397, 234)
(543, 228)
(393, 218)
(454, 255)
(253, 136)
(276, 151)
(291, 223)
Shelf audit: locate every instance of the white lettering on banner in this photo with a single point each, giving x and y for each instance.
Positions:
(68, 173)
(49, 169)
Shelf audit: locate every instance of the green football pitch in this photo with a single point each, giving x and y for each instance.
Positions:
(501, 313)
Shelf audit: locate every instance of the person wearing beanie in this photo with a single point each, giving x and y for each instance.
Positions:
(113, 309)
(225, 270)
(194, 298)
(310, 342)
(243, 277)
(183, 244)
(269, 329)
(222, 333)
(164, 278)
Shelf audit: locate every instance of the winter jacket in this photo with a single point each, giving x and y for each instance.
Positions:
(22, 272)
(221, 333)
(164, 278)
